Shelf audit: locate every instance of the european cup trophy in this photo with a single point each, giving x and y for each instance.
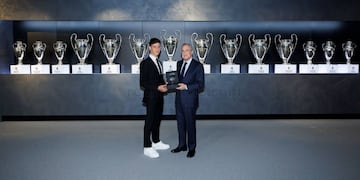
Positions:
(139, 47)
(285, 47)
(110, 47)
(259, 47)
(19, 49)
(329, 50)
(230, 47)
(82, 47)
(170, 43)
(202, 46)
(39, 50)
(309, 49)
(348, 48)
(59, 49)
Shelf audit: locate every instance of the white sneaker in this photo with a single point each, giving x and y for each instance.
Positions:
(151, 153)
(160, 146)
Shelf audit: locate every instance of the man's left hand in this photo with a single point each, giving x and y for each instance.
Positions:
(181, 86)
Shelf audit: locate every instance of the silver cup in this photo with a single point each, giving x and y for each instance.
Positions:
(309, 49)
(59, 49)
(170, 43)
(230, 47)
(82, 47)
(139, 47)
(329, 50)
(259, 47)
(348, 48)
(39, 50)
(19, 49)
(202, 46)
(110, 47)
(285, 47)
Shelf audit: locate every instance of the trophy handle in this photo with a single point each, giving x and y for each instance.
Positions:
(146, 38)
(210, 38)
(222, 41)
(131, 39)
(178, 34)
(277, 39)
(294, 38)
(44, 45)
(268, 40)
(193, 39)
(101, 40)
(119, 39)
(163, 34)
(73, 38)
(65, 46)
(239, 39)
(251, 39)
(89, 37)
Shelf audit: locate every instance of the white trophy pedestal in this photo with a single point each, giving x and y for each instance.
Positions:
(309, 69)
(110, 69)
(20, 69)
(207, 68)
(169, 66)
(285, 68)
(82, 69)
(338, 68)
(135, 69)
(40, 69)
(60, 69)
(230, 69)
(258, 69)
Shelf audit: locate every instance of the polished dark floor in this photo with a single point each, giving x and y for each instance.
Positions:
(227, 149)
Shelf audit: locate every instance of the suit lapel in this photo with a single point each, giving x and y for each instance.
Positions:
(190, 68)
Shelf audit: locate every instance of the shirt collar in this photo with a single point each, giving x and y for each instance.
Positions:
(188, 61)
(153, 57)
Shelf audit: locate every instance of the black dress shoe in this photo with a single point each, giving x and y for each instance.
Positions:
(191, 154)
(178, 149)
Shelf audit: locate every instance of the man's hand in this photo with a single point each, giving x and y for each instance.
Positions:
(181, 86)
(162, 88)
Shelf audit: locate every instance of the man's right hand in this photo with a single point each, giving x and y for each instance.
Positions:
(162, 88)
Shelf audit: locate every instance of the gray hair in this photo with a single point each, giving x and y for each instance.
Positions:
(187, 44)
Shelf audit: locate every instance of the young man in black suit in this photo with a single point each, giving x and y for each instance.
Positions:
(154, 86)
(191, 78)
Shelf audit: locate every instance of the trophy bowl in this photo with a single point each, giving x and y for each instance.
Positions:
(19, 50)
(259, 47)
(309, 49)
(59, 49)
(348, 48)
(170, 43)
(39, 50)
(202, 46)
(285, 47)
(139, 46)
(329, 50)
(230, 47)
(82, 47)
(110, 47)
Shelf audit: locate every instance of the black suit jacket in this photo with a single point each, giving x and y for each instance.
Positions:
(194, 79)
(150, 79)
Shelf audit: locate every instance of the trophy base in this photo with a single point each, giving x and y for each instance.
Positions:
(60, 69)
(309, 69)
(338, 68)
(135, 69)
(169, 66)
(20, 69)
(207, 68)
(258, 69)
(40, 69)
(285, 68)
(230, 69)
(110, 69)
(82, 69)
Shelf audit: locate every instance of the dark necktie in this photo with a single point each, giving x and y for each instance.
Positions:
(158, 64)
(183, 70)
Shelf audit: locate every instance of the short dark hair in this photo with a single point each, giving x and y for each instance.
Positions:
(154, 41)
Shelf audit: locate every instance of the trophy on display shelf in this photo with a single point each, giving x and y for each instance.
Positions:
(259, 48)
(19, 51)
(110, 48)
(82, 48)
(202, 48)
(59, 50)
(349, 48)
(139, 48)
(39, 48)
(170, 44)
(309, 48)
(230, 48)
(285, 48)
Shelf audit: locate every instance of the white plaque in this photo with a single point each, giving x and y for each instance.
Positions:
(353, 68)
(40, 69)
(82, 69)
(20, 69)
(347, 69)
(110, 69)
(207, 68)
(230, 69)
(285, 68)
(169, 66)
(258, 69)
(60, 69)
(135, 68)
(332, 68)
(309, 68)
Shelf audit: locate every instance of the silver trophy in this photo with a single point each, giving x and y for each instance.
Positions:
(110, 47)
(39, 50)
(348, 48)
(59, 49)
(82, 47)
(19, 49)
(230, 47)
(329, 50)
(285, 47)
(309, 49)
(259, 47)
(139, 47)
(202, 46)
(170, 43)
